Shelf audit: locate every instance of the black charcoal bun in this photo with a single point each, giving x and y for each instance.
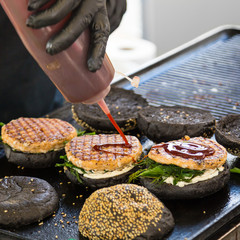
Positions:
(124, 211)
(102, 182)
(123, 105)
(228, 133)
(32, 160)
(25, 200)
(196, 190)
(165, 123)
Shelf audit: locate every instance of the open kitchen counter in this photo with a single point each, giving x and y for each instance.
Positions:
(203, 73)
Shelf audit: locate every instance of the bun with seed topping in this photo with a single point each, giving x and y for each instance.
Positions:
(36, 142)
(124, 211)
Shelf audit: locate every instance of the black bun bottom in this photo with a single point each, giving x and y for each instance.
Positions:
(123, 105)
(102, 182)
(165, 123)
(196, 190)
(228, 133)
(32, 160)
(25, 200)
(124, 211)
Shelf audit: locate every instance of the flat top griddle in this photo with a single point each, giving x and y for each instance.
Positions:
(204, 73)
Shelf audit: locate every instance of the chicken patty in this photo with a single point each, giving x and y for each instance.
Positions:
(102, 152)
(37, 135)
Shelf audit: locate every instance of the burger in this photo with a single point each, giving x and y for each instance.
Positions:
(101, 160)
(36, 142)
(184, 169)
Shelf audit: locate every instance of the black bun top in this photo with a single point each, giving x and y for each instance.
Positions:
(228, 133)
(124, 211)
(24, 200)
(123, 105)
(166, 123)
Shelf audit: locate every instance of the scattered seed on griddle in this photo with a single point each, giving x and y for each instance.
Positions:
(74, 217)
(64, 195)
(68, 182)
(73, 203)
(62, 226)
(61, 183)
(56, 236)
(76, 222)
(61, 221)
(64, 215)
(68, 222)
(32, 190)
(60, 171)
(80, 196)
(204, 212)
(119, 113)
(55, 224)
(18, 166)
(5, 211)
(41, 223)
(22, 168)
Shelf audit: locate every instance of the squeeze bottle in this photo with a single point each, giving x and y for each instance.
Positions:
(67, 69)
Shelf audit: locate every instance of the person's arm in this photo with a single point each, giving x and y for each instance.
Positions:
(101, 16)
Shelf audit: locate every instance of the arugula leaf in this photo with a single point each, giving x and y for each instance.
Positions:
(2, 124)
(159, 172)
(71, 167)
(235, 170)
(81, 133)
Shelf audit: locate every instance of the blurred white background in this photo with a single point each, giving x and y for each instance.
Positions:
(165, 24)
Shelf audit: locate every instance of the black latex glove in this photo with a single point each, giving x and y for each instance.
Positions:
(85, 13)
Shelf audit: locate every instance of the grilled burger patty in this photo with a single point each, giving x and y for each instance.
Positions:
(37, 135)
(217, 159)
(112, 154)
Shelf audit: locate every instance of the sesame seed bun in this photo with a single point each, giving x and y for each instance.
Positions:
(124, 211)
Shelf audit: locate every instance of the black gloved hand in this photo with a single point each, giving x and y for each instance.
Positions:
(85, 13)
(115, 9)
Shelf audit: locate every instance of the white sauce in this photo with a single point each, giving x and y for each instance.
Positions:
(210, 173)
(103, 174)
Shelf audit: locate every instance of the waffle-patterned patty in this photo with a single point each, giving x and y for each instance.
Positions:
(217, 159)
(37, 135)
(110, 155)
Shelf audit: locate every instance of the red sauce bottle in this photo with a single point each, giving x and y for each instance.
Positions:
(68, 69)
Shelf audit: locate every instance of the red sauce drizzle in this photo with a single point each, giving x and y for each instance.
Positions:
(99, 148)
(187, 149)
(127, 144)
